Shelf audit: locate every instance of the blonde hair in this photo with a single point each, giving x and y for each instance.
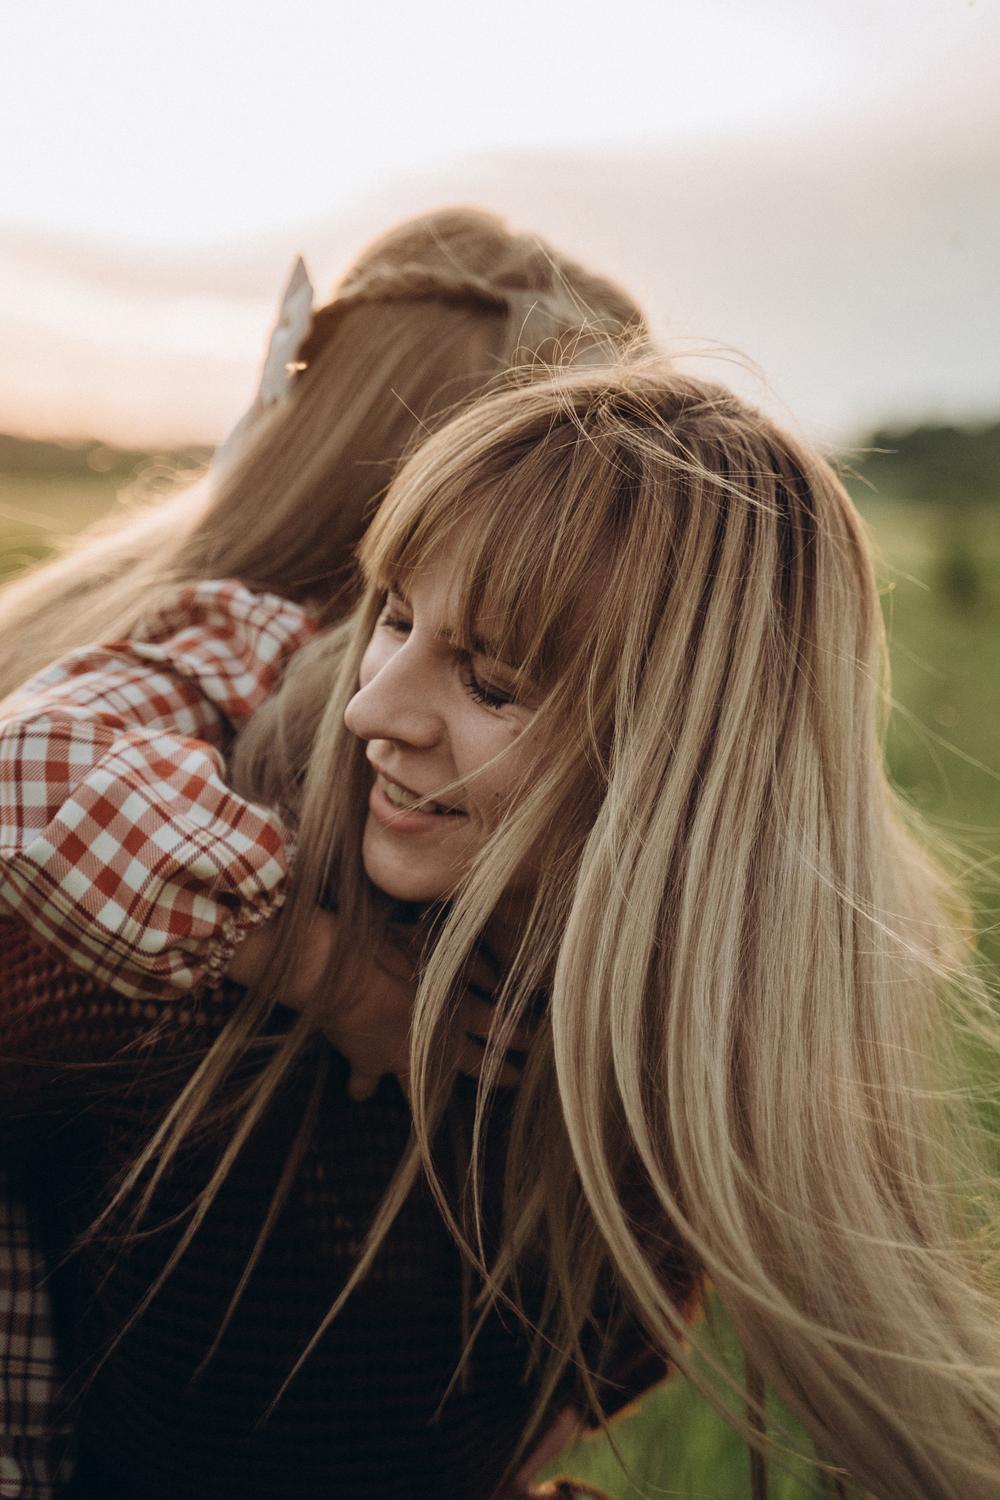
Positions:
(751, 966)
(426, 318)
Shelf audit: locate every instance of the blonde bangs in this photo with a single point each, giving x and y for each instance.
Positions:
(538, 560)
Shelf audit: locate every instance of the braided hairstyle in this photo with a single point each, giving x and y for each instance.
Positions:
(469, 259)
(433, 314)
(430, 316)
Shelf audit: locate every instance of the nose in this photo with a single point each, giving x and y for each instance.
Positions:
(396, 703)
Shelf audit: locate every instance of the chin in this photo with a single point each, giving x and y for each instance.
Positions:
(403, 879)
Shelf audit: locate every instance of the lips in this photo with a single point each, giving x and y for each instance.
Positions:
(407, 800)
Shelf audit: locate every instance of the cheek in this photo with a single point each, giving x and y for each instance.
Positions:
(506, 755)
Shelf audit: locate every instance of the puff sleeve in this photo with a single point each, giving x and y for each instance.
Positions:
(121, 846)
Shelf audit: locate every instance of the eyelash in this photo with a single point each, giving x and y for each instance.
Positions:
(476, 689)
(482, 694)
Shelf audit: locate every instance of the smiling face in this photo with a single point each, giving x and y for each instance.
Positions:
(443, 729)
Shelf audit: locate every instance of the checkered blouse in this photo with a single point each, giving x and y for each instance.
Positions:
(124, 851)
(121, 846)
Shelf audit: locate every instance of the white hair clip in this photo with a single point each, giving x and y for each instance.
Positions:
(281, 362)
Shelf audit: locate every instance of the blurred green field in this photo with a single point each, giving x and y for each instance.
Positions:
(940, 571)
(37, 513)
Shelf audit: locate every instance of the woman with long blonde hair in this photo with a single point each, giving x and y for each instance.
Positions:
(667, 806)
(611, 705)
(426, 318)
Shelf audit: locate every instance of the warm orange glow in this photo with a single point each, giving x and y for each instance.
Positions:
(809, 184)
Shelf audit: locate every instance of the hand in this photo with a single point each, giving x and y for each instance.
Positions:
(372, 1029)
(560, 1435)
(257, 947)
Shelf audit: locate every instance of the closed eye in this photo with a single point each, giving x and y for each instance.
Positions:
(489, 694)
(389, 620)
(486, 693)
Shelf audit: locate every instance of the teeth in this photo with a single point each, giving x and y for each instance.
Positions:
(406, 803)
(395, 794)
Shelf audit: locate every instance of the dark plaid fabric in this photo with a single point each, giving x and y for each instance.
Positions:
(35, 1431)
(128, 856)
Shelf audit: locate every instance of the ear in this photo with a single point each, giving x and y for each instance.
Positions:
(291, 329)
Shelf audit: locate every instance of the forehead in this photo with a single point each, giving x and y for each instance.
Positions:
(514, 553)
(436, 588)
(433, 577)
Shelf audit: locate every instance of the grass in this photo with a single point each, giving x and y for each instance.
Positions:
(36, 515)
(940, 573)
(672, 1444)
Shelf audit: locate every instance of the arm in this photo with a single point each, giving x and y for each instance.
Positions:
(121, 846)
(127, 856)
(370, 1027)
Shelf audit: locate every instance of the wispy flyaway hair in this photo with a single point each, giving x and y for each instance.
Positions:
(424, 320)
(753, 971)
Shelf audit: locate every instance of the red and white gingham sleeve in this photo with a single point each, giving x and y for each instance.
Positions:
(121, 846)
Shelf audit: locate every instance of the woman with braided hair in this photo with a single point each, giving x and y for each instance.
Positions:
(201, 599)
(428, 317)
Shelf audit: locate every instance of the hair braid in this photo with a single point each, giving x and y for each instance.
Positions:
(396, 283)
(470, 259)
(409, 282)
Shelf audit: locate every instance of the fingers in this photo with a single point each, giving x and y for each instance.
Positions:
(564, 1430)
(478, 1021)
(361, 1086)
(481, 992)
(397, 963)
(488, 960)
(472, 1059)
(479, 1017)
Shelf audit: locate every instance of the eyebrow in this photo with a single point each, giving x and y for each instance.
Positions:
(478, 645)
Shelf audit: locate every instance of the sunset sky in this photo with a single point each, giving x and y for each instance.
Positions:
(163, 164)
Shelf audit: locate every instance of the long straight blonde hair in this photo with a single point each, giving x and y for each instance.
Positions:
(754, 972)
(425, 319)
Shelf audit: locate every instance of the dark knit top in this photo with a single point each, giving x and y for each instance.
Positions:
(84, 1073)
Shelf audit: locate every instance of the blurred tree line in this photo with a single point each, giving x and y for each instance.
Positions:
(943, 464)
(929, 463)
(41, 457)
(953, 474)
